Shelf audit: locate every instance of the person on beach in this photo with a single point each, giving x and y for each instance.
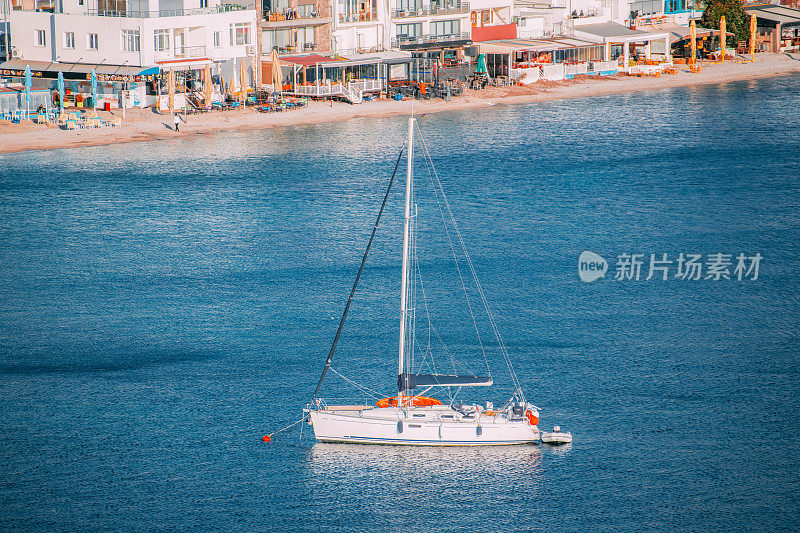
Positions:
(176, 120)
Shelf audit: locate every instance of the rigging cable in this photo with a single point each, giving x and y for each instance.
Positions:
(452, 248)
(506, 356)
(358, 276)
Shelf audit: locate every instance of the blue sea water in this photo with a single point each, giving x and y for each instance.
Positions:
(163, 305)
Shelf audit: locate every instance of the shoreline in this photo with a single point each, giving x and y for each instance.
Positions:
(147, 125)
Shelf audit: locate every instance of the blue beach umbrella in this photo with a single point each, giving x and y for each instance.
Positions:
(94, 89)
(61, 90)
(481, 64)
(28, 83)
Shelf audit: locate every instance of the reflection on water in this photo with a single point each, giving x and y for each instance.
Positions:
(411, 462)
(462, 482)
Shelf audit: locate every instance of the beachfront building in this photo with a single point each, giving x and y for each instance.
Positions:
(432, 29)
(130, 44)
(593, 50)
(295, 26)
(359, 26)
(778, 27)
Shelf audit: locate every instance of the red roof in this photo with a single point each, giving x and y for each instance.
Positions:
(307, 61)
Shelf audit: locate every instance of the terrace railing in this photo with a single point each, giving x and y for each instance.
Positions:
(403, 40)
(350, 90)
(358, 17)
(165, 12)
(432, 10)
(181, 52)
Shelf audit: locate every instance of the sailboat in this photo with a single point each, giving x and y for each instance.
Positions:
(410, 417)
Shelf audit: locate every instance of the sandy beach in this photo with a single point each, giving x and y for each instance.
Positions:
(146, 124)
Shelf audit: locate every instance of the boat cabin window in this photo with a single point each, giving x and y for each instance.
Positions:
(418, 415)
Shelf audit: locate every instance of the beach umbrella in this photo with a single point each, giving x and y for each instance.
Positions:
(722, 36)
(276, 71)
(208, 88)
(481, 64)
(232, 84)
(693, 39)
(753, 37)
(243, 82)
(171, 89)
(61, 90)
(94, 89)
(28, 83)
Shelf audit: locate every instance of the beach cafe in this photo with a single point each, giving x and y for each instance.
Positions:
(111, 81)
(635, 51)
(680, 37)
(318, 76)
(553, 58)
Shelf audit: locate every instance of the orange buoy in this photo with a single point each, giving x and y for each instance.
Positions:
(413, 401)
(532, 420)
(266, 438)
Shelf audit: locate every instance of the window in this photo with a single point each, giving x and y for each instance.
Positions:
(304, 12)
(92, 42)
(203, 3)
(240, 33)
(130, 40)
(408, 5)
(69, 40)
(40, 39)
(217, 39)
(406, 32)
(446, 27)
(486, 17)
(161, 40)
(305, 38)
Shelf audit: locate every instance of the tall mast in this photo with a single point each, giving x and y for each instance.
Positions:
(404, 284)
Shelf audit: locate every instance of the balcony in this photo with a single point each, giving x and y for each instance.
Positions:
(181, 52)
(432, 10)
(355, 18)
(409, 42)
(277, 21)
(165, 12)
(288, 50)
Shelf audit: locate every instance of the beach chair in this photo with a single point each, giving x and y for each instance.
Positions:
(72, 124)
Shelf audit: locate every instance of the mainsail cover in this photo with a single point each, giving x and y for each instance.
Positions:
(411, 381)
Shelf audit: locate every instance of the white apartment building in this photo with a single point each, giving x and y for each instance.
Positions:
(418, 25)
(95, 31)
(537, 18)
(133, 36)
(360, 26)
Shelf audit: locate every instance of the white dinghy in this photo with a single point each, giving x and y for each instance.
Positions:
(556, 436)
(410, 418)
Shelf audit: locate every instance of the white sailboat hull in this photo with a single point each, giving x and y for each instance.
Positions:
(420, 427)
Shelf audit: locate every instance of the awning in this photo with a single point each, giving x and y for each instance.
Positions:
(678, 32)
(194, 63)
(309, 60)
(548, 44)
(611, 32)
(74, 71)
(775, 13)
(411, 381)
